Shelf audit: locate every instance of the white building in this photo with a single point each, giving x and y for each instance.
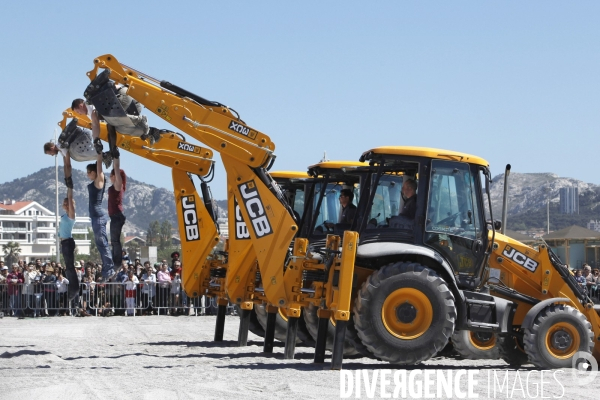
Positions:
(223, 226)
(594, 225)
(33, 227)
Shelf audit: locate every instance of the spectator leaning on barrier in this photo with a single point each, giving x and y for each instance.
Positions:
(15, 280)
(579, 277)
(130, 292)
(31, 279)
(148, 288)
(3, 289)
(62, 286)
(88, 294)
(164, 285)
(50, 290)
(587, 274)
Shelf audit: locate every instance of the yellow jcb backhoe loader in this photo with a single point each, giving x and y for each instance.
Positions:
(446, 273)
(247, 154)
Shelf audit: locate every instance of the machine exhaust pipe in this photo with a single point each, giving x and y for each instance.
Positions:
(505, 199)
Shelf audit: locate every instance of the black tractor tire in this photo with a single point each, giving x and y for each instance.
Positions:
(281, 326)
(311, 320)
(254, 325)
(557, 334)
(352, 337)
(511, 351)
(476, 345)
(405, 313)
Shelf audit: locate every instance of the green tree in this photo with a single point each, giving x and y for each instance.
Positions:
(165, 234)
(11, 253)
(153, 235)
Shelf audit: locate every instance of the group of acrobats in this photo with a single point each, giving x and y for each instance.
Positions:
(110, 103)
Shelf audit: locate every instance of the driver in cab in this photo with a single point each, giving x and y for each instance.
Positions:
(347, 211)
(409, 195)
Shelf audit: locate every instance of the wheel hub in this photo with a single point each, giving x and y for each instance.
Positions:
(406, 313)
(561, 340)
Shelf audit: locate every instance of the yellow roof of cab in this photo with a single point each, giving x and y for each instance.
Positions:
(429, 152)
(288, 175)
(338, 164)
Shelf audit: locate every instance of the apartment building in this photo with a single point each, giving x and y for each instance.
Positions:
(33, 227)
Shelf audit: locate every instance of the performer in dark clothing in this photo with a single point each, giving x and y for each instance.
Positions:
(65, 231)
(115, 210)
(98, 216)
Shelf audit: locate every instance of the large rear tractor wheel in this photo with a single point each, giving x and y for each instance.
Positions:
(557, 334)
(405, 313)
(512, 351)
(312, 324)
(281, 325)
(254, 326)
(476, 345)
(352, 337)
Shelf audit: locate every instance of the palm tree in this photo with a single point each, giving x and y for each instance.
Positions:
(11, 253)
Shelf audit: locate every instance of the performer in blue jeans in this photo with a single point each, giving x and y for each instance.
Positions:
(99, 218)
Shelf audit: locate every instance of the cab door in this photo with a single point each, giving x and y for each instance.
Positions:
(454, 220)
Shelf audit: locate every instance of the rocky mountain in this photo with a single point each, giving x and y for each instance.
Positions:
(528, 195)
(143, 203)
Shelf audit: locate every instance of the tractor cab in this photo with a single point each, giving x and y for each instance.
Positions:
(448, 214)
(293, 186)
(329, 213)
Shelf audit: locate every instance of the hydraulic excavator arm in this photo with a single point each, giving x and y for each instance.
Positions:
(246, 153)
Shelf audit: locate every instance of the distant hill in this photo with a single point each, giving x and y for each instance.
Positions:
(142, 202)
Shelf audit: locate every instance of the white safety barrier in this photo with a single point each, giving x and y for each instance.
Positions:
(111, 298)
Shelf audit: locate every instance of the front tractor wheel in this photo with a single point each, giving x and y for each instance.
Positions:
(557, 334)
(404, 313)
(476, 345)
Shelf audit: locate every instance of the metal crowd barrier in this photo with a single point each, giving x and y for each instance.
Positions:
(112, 298)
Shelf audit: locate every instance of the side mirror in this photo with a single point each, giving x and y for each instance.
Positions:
(497, 225)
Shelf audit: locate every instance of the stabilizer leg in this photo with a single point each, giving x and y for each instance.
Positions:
(270, 331)
(338, 345)
(321, 340)
(290, 338)
(220, 326)
(244, 325)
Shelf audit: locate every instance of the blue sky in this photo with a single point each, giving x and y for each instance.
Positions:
(512, 82)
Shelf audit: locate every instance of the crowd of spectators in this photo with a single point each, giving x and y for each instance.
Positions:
(40, 289)
(588, 279)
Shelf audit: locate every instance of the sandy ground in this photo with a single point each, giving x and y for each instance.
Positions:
(163, 357)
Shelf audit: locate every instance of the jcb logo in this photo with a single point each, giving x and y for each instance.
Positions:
(190, 218)
(241, 229)
(520, 258)
(188, 147)
(243, 130)
(255, 208)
